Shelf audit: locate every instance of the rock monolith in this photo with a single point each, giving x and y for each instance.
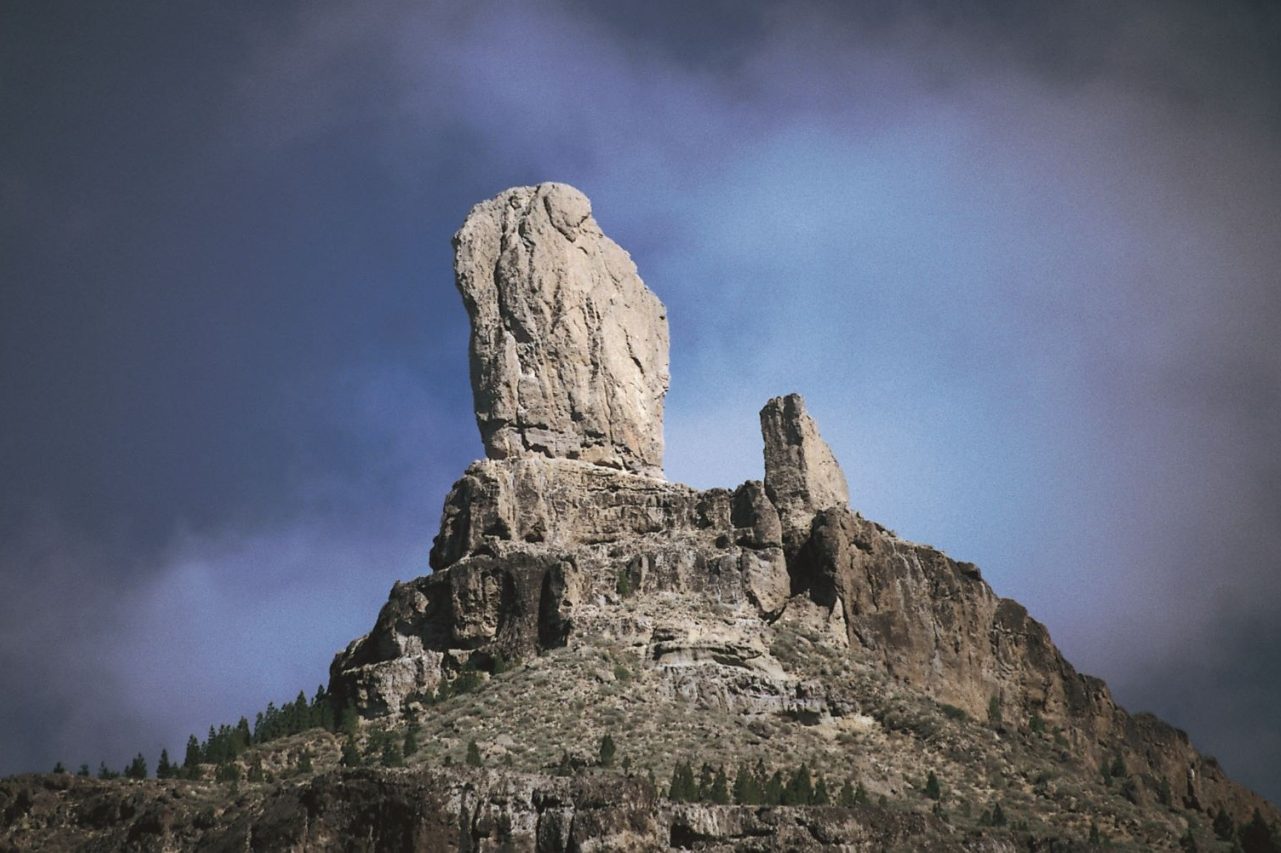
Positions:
(802, 476)
(568, 345)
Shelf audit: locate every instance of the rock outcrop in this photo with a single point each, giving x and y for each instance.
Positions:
(562, 538)
(568, 345)
(801, 473)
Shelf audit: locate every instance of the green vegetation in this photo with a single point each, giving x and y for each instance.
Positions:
(607, 751)
(756, 786)
(473, 754)
(137, 768)
(932, 788)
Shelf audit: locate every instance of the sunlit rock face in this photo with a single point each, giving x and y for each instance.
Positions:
(568, 345)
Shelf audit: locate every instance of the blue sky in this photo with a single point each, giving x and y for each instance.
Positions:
(1021, 259)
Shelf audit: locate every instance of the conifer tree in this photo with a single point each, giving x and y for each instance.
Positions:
(411, 741)
(774, 790)
(932, 787)
(860, 795)
(821, 796)
(800, 788)
(473, 754)
(607, 750)
(998, 815)
(193, 753)
(304, 761)
(683, 788)
(747, 787)
(83, 771)
(350, 754)
(391, 754)
(1095, 837)
(846, 798)
(164, 769)
(137, 768)
(58, 768)
(1256, 836)
(719, 792)
(1223, 825)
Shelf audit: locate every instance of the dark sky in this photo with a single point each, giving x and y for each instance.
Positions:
(1022, 259)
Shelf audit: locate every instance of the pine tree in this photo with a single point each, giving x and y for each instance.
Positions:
(800, 788)
(683, 788)
(164, 770)
(932, 788)
(58, 768)
(348, 721)
(1256, 836)
(1223, 825)
(304, 761)
(193, 753)
(998, 815)
(256, 773)
(350, 754)
(821, 796)
(1095, 837)
(846, 798)
(391, 754)
(137, 768)
(773, 795)
(994, 710)
(473, 754)
(860, 795)
(607, 750)
(83, 771)
(411, 741)
(747, 787)
(719, 792)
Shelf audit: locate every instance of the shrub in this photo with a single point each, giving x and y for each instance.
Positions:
(932, 788)
(473, 754)
(607, 751)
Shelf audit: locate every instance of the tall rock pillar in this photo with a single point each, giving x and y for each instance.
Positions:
(568, 345)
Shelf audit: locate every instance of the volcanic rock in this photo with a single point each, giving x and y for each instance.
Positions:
(801, 473)
(568, 345)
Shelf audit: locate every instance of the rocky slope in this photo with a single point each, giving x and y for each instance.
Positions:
(577, 595)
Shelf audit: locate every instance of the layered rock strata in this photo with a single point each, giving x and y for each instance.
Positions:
(568, 345)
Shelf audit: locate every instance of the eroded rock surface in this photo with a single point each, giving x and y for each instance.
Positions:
(801, 473)
(568, 345)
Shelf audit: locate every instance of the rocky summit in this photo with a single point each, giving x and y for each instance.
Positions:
(568, 345)
(604, 660)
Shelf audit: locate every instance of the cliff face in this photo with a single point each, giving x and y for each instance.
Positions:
(536, 554)
(540, 548)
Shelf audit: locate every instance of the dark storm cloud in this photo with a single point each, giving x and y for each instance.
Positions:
(1021, 258)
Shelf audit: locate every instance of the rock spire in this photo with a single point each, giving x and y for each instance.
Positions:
(568, 345)
(802, 476)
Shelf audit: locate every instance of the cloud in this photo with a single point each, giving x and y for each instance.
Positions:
(1019, 258)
